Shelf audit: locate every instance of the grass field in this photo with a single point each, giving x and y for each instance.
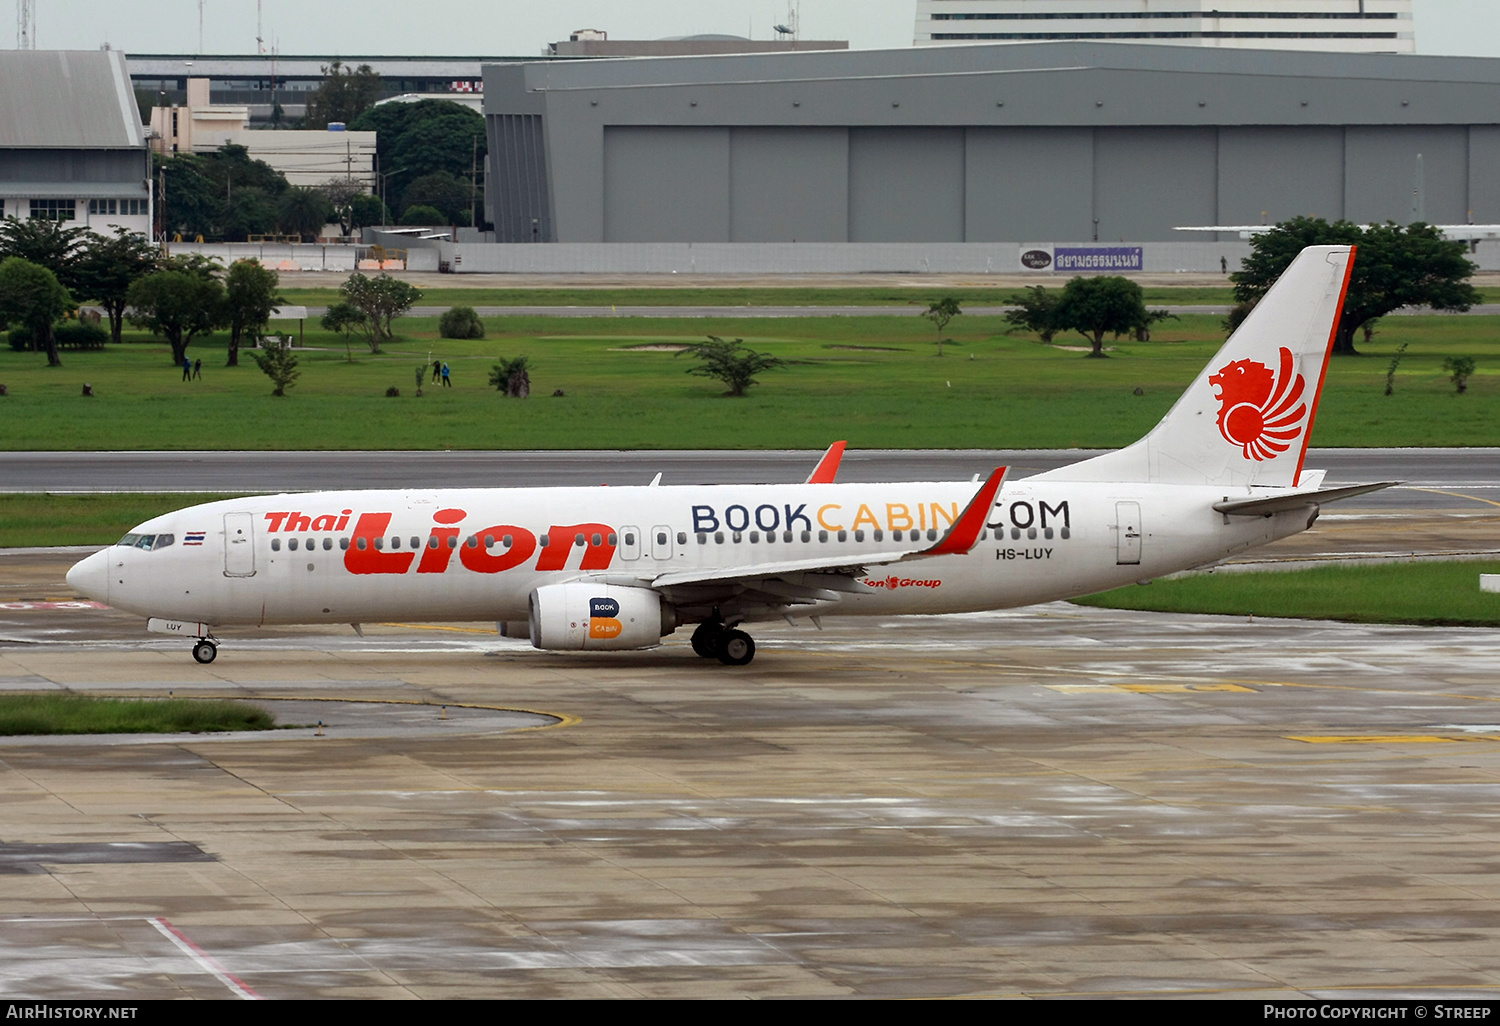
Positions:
(1427, 593)
(79, 714)
(873, 380)
(39, 519)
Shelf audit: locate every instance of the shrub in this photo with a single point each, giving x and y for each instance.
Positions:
(69, 335)
(393, 392)
(460, 322)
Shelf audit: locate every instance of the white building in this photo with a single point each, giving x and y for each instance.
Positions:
(1349, 26)
(307, 158)
(72, 147)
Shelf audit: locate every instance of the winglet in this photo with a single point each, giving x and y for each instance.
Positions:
(965, 532)
(828, 467)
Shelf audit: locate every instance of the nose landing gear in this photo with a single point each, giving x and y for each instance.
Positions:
(712, 640)
(205, 650)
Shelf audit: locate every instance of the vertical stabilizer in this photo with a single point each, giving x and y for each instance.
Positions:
(1247, 417)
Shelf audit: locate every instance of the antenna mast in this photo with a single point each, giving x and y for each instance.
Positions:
(25, 24)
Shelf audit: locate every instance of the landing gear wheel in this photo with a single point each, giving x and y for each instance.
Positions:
(736, 648)
(706, 639)
(205, 651)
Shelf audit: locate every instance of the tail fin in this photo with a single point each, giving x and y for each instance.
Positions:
(1247, 418)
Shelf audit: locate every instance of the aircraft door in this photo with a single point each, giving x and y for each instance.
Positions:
(1128, 537)
(661, 542)
(239, 545)
(630, 542)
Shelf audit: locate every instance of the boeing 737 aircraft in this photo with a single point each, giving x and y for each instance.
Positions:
(621, 568)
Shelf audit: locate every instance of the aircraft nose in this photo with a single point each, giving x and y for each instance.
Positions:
(90, 576)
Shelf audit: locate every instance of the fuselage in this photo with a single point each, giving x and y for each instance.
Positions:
(478, 554)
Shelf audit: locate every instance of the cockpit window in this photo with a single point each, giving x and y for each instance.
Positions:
(147, 541)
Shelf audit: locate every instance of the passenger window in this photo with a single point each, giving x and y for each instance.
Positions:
(822, 536)
(506, 541)
(681, 537)
(718, 537)
(702, 538)
(344, 543)
(453, 541)
(786, 536)
(843, 536)
(310, 544)
(596, 540)
(472, 541)
(932, 534)
(629, 538)
(291, 544)
(416, 543)
(738, 537)
(613, 540)
(754, 536)
(363, 544)
(432, 541)
(895, 536)
(578, 539)
(661, 537)
(1046, 532)
(859, 535)
(395, 543)
(327, 544)
(276, 544)
(807, 536)
(545, 540)
(489, 541)
(879, 534)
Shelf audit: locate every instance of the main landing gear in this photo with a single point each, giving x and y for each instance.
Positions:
(731, 647)
(205, 650)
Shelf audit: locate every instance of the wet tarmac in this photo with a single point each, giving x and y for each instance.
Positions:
(1046, 802)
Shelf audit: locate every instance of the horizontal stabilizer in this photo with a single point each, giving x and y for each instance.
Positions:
(1296, 500)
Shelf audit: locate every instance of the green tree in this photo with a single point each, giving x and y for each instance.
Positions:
(345, 318)
(1395, 267)
(343, 94)
(279, 365)
(54, 245)
(249, 297)
(422, 216)
(106, 266)
(513, 377)
(223, 194)
(1036, 310)
(32, 296)
(446, 193)
(304, 211)
(380, 299)
(1096, 306)
(353, 205)
(940, 313)
(1458, 368)
(417, 139)
(730, 362)
(178, 305)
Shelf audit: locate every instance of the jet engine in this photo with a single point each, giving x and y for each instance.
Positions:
(580, 615)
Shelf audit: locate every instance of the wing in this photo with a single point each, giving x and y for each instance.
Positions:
(808, 586)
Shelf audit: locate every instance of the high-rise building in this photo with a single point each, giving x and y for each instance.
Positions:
(1380, 26)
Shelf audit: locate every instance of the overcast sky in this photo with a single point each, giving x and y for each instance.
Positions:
(512, 27)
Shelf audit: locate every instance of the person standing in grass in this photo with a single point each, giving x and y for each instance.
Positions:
(187, 369)
(198, 370)
(437, 366)
(446, 382)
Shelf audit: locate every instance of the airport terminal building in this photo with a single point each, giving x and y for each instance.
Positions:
(984, 144)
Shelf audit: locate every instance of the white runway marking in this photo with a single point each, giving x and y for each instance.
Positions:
(204, 960)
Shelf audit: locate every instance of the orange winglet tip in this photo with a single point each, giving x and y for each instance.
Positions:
(828, 467)
(962, 536)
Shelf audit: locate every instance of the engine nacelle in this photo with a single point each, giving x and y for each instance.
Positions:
(580, 615)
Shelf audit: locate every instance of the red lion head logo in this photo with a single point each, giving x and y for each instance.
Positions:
(1260, 411)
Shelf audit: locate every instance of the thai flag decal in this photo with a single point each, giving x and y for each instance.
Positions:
(193, 538)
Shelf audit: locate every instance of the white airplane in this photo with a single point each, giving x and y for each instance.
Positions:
(622, 568)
